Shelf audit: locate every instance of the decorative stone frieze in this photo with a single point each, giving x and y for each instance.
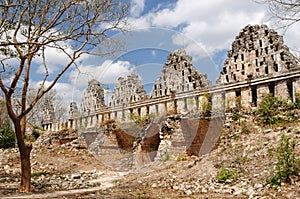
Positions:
(178, 75)
(128, 91)
(256, 52)
(93, 98)
(48, 113)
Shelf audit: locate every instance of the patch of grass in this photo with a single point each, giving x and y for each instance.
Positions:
(225, 174)
(244, 127)
(165, 157)
(236, 116)
(38, 174)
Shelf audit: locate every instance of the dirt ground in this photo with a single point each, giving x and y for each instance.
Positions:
(69, 171)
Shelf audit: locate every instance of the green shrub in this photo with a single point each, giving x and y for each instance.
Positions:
(165, 157)
(236, 116)
(244, 127)
(38, 174)
(225, 174)
(35, 133)
(7, 138)
(287, 164)
(140, 121)
(268, 109)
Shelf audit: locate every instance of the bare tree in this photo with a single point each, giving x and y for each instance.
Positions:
(27, 29)
(285, 12)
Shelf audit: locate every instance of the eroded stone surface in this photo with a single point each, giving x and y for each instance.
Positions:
(178, 75)
(73, 112)
(257, 51)
(48, 113)
(128, 90)
(93, 97)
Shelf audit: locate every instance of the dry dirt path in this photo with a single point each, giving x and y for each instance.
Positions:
(106, 181)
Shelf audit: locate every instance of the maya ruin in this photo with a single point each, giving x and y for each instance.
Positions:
(258, 63)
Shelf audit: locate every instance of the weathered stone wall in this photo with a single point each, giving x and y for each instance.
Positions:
(178, 75)
(93, 98)
(48, 113)
(128, 91)
(182, 89)
(256, 52)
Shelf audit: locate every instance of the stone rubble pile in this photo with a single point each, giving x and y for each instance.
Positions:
(80, 180)
(245, 149)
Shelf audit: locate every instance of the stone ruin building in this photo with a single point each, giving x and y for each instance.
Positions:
(73, 110)
(256, 52)
(128, 91)
(258, 60)
(93, 99)
(178, 75)
(48, 116)
(259, 63)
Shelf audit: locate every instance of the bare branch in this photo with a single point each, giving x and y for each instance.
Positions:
(284, 12)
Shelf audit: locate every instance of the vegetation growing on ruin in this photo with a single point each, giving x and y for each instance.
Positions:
(287, 166)
(141, 120)
(270, 110)
(225, 174)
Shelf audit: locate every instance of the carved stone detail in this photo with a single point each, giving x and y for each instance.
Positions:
(256, 52)
(178, 75)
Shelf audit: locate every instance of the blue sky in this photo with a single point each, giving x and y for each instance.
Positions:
(205, 29)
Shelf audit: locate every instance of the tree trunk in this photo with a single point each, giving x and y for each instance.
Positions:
(24, 149)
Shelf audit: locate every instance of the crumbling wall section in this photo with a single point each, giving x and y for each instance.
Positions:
(128, 91)
(48, 113)
(93, 98)
(256, 52)
(178, 75)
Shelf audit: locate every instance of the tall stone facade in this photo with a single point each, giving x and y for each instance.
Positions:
(73, 112)
(93, 98)
(178, 75)
(48, 113)
(259, 63)
(256, 52)
(128, 90)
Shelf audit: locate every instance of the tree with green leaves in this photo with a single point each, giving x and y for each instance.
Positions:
(28, 28)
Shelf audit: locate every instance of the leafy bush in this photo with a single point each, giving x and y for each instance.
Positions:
(296, 104)
(287, 164)
(140, 121)
(165, 157)
(225, 174)
(268, 109)
(35, 133)
(236, 116)
(7, 138)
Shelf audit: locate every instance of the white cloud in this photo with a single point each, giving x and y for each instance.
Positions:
(140, 23)
(210, 24)
(153, 53)
(53, 59)
(67, 91)
(137, 7)
(107, 73)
